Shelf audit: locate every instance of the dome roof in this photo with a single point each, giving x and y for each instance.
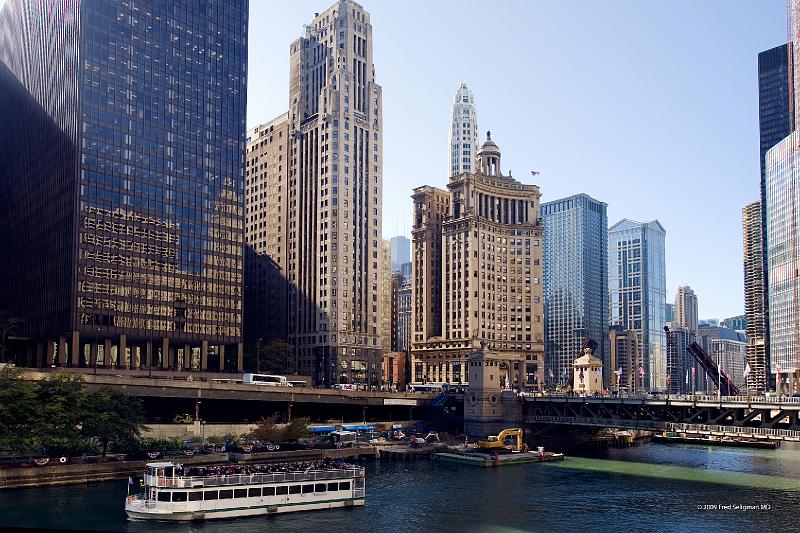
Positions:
(488, 146)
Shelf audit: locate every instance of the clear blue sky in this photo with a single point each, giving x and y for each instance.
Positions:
(651, 107)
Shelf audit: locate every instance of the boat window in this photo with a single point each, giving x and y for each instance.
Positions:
(308, 488)
(281, 490)
(344, 486)
(269, 491)
(240, 493)
(333, 486)
(254, 493)
(179, 496)
(319, 487)
(225, 494)
(195, 496)
(294, 489)
(163, 496)
(210, 495)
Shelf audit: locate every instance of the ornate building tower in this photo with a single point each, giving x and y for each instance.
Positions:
(463, 132)
(491, 277)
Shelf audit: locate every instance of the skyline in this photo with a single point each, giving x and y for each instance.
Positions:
(702, 95)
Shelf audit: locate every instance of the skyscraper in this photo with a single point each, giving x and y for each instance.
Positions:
(686, 309)
(575, 258)
(754, 298)
(334, 190)
(488, 276)
(386, 296)
(401, 251)
(669, 313)
(637, 291)
(463, 132)
(121, 179)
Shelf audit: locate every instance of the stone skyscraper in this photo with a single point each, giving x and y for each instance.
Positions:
(754, 298)
(477, 275)
(121, 186)
(575, 282)
(637, 291)
(463, 132)
(334, 190)
(686, 309)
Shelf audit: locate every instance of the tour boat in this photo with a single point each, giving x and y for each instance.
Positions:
(170, 496)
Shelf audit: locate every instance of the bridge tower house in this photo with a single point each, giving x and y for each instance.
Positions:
(488, 408)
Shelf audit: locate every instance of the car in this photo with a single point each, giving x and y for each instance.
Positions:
(183, 418)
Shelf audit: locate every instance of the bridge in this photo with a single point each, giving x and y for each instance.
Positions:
(166, 395)
(743, 416)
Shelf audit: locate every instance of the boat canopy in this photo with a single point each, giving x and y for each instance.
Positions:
(160, 465)
(320, 429)
(362, 427)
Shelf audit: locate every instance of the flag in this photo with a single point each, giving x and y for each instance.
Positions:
(746, 370)
(618, 372)
(535, 375)
(551, 373)
(641, 371)
(130, 480)
(687, 376)
(778, 368)
(563, 373)
(693, 369)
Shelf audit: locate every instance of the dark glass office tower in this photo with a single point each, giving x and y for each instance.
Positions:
(774, 124)
(121, 181)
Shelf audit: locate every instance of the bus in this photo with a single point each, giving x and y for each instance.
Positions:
(429, 388)
(265, 379)
(297, 383)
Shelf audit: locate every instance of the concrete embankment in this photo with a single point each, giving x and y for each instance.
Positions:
(66, 474)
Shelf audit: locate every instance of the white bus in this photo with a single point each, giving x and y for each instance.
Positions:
(265, 379)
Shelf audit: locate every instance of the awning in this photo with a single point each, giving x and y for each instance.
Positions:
(359, 428)
(320, 429)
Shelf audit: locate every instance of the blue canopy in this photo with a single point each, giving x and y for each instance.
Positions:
(321, 429)
(359, 428)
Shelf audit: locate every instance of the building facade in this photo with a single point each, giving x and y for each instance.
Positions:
(625, 358)
(637, 291)
(490, 275)
(463, 132)
(386, 296)
(575, 275)
(738, 322)
(685, 374)
(135, 154)
(730, 356)
(334, 200)
(265, 284)
(401, 251)
(686, 309)
(669, 313)
(783, 255)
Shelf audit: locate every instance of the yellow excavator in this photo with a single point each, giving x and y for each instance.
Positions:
(498, 442)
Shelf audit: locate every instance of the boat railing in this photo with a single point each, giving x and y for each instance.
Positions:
(250, 479)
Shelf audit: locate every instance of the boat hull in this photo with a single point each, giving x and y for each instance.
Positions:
(183, 516)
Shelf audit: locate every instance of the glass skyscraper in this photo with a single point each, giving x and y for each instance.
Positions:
(575, 282)
(637, 291)
(121, 186)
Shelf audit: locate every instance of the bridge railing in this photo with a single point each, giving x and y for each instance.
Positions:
(663, 396)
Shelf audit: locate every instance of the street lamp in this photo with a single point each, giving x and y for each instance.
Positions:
(258, 357)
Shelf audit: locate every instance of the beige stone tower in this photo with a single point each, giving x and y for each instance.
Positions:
(489, 273)
(334, 193)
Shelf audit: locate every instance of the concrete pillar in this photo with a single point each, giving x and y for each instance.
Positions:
(50, 352)
(239, 357)
(29, 358)
(107, 363)
(62, 351)
(221, 351)
(149, 354)
(39, 354)
(204, 355)
(136, 356)
(187, 357)
(93, 354)
(122, 352)
(167, 360)
(75, 350)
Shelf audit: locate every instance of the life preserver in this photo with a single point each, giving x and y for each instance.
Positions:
(62, 460)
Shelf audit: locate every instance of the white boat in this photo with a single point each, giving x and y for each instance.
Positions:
(169, 496)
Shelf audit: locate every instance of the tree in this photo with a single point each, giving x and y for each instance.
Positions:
(110, 416)
(296, 429)
(267, 430)
(56, 421)
(17, 407)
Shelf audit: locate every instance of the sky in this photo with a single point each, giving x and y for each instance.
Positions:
(651, 107)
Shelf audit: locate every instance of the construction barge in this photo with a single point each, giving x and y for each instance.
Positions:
(718, 441)
(482, 459)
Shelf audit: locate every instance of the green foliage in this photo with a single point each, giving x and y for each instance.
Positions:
(296, 429)
(57, 416)
(156, 444)
(110, 416)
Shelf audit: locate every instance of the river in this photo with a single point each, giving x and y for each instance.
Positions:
(657, 487)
